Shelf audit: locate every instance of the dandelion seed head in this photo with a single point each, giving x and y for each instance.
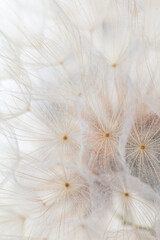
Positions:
(79, 119)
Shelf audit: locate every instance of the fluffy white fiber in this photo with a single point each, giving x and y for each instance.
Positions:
(80, 120)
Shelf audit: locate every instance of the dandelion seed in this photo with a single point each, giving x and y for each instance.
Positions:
(56, 135)
(103, 129)
(142, 149)
(130, 208)
(62, 190)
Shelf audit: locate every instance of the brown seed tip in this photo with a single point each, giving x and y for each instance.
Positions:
(126, 194)
(114, 65)
(66, 185)
(65, 137)
(142, 147)
(107, 135)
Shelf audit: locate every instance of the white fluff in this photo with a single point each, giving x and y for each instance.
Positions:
(79, 120)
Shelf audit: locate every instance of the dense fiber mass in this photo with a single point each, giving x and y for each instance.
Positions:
(80, 120)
